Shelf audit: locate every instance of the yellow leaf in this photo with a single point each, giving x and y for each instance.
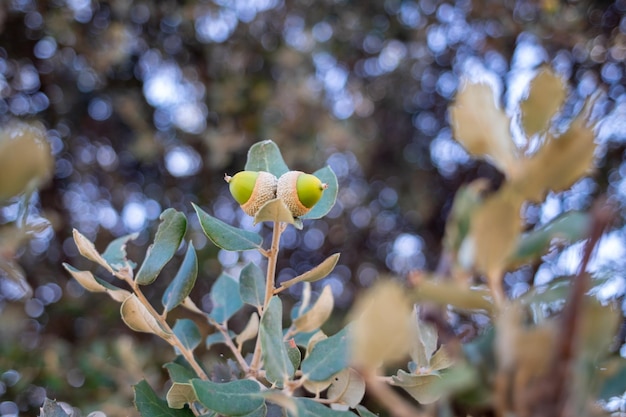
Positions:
(381, 328)
(138, 318)
(559, 163)
(482, 127)
(318, 314)
(545, 98)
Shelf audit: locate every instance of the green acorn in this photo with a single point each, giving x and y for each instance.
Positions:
(299, 191)
(252, 189)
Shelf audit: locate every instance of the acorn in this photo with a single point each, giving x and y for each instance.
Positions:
(252, 189)
(299, 191)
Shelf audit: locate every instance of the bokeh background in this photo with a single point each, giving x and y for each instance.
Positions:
(146, 104)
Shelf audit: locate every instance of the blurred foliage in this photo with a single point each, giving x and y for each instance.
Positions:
(145, 105)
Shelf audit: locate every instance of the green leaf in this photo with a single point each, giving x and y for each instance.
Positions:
(115, 253)
(150, 405)
(421, 387)
(265, 156)
(235, 398)
(225, 298)
(179, 373)
(166, 242)
(138, 317)
(326, 203)
(187, 331)
(568, 227)
(310, 408)
(226, 236)
(327, 357)
(320, 271)
(259, 412)
(252, 285)
(51, 408)
(275, 357)
(274, 211)
(95, 284)
(183, 282)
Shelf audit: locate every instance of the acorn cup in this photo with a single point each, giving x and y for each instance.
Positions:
(252, 189)
(299, 191)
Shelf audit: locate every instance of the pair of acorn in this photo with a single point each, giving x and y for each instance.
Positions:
(299, 191)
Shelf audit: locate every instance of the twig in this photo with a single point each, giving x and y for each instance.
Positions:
(229, 342)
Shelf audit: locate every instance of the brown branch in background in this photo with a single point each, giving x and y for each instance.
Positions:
(554, 400)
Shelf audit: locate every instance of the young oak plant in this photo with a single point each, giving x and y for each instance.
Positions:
(274, 370)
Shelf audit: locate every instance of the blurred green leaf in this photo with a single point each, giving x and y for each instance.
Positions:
(187, 331)
(115, 253)
(274, 211)
(275, 357)
(310, 408)
(138, 318)
(236, 398)
(183, 282)
(168, 237)
(327, 357)
(51, 408)
(265, 156)
(329, 197)
(226, 236)
(225, 298)
(612, 379)
(568, 227)
(320, 271)
(94, 284)
(252, 285)
(150, 405)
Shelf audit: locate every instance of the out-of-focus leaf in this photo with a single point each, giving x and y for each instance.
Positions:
(188, 333)
(481, 126)
(378, 337)
(168, 237)
(235, 398)
(318, 314)
(265, 156)
(612, 376)
(252, 285)
(560, 162)
(320, 271)
(495, 228)
(226, 236)
(568, 227)
(465, 202)
(225, 298)
(310, 408)
(15, 273)
(115, 253)
(274, 211)
(454, 294)
(25, 158)
(149, 404)
(217, 337)
(275, 357)
(138, 318)
(348, 388)
(421, 387)
(191, 306)
(423, 341)
(441, 359)
(364, 412)
(88, 250)
(326, 203)
(545, 98)
(183, 282)
(327, 357)
(250, 331)
(94, 284)
(51, 408)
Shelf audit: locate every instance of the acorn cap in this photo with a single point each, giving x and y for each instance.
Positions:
(252, 189)
(299, 191)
